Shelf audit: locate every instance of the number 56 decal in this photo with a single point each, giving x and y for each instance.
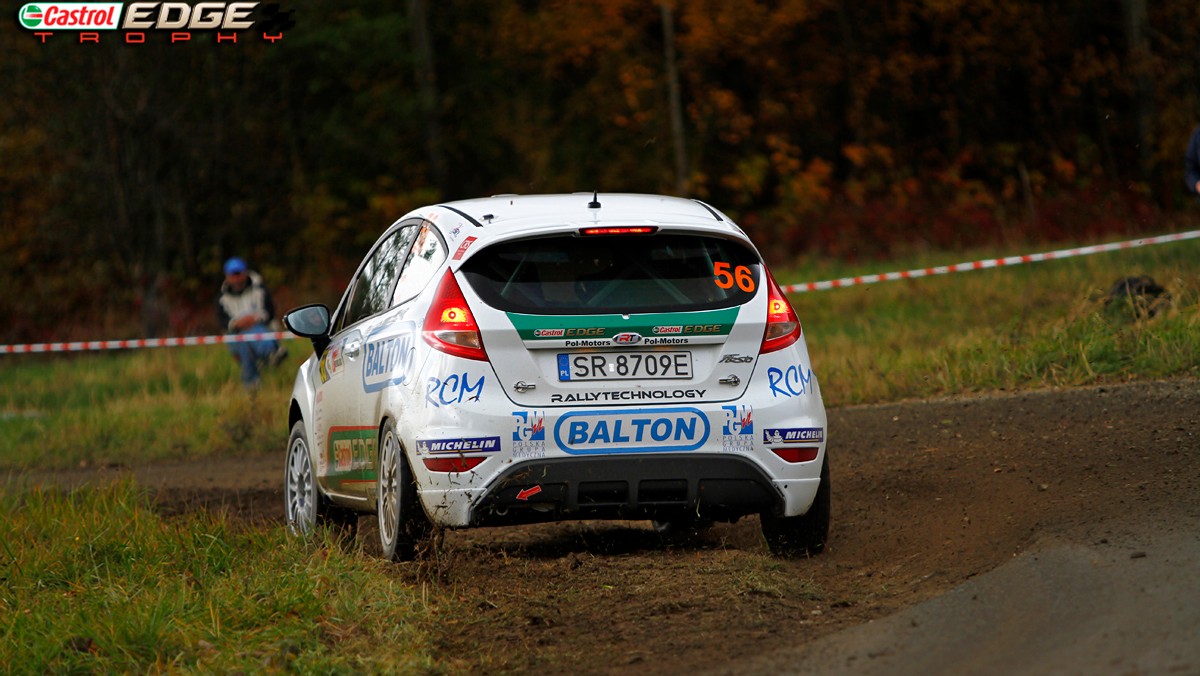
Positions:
(741, 276)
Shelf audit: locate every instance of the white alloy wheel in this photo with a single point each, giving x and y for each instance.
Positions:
(388, 498)
(300, 488)
(403, 525)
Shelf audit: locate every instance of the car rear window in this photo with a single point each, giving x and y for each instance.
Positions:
(607, 274)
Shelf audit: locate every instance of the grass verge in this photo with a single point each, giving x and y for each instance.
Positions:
(1032, 326)
(95, 582)
(124, 408)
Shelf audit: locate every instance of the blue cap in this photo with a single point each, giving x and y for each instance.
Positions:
(234, 265)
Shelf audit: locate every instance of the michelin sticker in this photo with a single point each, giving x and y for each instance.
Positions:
(471, 445)
(388, 356)
(631, 431)
(793, 435)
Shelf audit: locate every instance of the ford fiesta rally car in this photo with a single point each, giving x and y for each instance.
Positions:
(519, 359)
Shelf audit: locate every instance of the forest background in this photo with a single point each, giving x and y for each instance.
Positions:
(129, 172)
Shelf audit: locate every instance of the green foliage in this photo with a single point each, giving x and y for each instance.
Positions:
(95, 581)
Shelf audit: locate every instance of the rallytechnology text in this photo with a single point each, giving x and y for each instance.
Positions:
(93, 22)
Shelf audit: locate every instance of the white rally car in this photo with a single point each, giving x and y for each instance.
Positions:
(518, 359)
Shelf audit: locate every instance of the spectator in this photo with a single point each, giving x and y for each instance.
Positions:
(1191, 163)
(245, 306)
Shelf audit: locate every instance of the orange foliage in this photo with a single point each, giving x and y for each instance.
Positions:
(845, 128)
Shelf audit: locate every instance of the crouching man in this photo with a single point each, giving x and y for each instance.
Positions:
(245, 306)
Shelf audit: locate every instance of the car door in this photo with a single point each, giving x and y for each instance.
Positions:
(353, 371)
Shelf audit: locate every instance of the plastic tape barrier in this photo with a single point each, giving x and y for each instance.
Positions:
(790, 288)
(138, 343)
(990, 263)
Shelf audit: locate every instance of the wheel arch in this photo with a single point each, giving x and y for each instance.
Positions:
(384, 420)
(294, 414)
(383, 423)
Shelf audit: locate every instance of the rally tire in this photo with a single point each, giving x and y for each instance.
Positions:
(305, 508)
(403, 526)
(805, 535)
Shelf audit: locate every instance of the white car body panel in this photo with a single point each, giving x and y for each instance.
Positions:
(381, 369)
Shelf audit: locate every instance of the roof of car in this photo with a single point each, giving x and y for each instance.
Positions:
(505, 213)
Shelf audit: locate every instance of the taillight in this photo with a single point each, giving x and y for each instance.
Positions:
(783, 326)
(797, 454)
(452, 464)
(620, 230)
(449, 325)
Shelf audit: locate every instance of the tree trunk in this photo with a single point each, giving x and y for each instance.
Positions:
(681, 172)
(427, 90)
(1138, 55)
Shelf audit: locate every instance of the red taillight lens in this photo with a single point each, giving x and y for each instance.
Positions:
(449, 325)
(783, 326)
(453, 464)
(621, 230)
(800, 454)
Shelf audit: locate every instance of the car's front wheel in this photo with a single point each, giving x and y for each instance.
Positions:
(804, 535)
(304, 506)
(403, 525)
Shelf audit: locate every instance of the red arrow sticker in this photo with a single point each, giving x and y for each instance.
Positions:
(526, 493)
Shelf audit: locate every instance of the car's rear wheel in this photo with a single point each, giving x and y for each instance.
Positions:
(804, 535)
(304, 506)
(403, 525)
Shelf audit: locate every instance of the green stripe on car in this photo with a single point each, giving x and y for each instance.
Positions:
(684, 324)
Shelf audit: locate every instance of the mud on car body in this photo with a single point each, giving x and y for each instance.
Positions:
(519, 359)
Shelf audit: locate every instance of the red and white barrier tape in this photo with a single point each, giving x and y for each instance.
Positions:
(990, 263)
(143, 342)
(791, 288)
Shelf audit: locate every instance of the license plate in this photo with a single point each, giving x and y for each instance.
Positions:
(625, 366)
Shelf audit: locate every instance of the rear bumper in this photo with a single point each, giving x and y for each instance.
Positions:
(707, 486)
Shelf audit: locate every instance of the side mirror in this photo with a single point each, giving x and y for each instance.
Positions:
(312, 322)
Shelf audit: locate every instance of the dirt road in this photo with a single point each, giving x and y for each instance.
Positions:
(1053, 531)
